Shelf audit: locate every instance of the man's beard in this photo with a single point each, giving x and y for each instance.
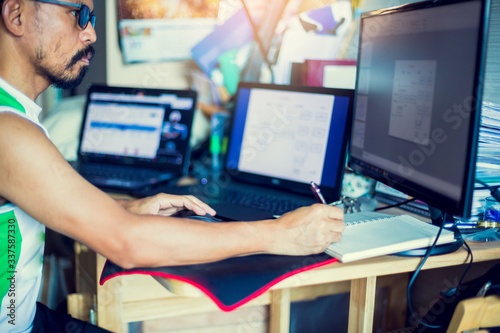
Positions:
(62, 81)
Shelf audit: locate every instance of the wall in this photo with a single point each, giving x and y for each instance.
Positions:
(173, 74)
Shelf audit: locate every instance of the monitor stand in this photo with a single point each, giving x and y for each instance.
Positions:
(438, 219)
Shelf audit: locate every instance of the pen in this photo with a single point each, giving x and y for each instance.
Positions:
(317, 193)
(319, 196)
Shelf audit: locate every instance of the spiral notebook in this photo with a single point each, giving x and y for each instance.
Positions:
(369, 234)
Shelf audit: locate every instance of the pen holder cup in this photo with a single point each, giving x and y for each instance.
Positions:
(219, 125)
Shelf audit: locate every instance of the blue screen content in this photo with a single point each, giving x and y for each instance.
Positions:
(296, 136)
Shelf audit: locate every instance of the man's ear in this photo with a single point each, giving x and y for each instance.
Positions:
(13, 16)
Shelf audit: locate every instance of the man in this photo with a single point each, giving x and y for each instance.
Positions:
(44, 42)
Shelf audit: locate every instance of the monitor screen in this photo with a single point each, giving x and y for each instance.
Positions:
(418, 99)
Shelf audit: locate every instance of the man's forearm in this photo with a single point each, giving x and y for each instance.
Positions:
(155, 241)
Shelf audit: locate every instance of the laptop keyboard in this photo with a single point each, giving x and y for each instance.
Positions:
(117, 172)
(261, 201)
(272, 203)
(120, 176)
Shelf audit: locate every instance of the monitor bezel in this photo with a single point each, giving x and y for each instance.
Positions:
(461, 207)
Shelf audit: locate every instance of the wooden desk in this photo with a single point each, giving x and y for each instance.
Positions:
(136, 297)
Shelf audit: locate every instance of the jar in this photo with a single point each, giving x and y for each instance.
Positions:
(492, 210)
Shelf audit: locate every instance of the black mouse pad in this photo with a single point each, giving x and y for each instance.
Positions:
(232, 282)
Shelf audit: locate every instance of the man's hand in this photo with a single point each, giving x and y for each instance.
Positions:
(167, 205)
(309, 230)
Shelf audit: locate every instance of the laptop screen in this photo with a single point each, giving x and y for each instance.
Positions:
(289, 136)
(137, 126)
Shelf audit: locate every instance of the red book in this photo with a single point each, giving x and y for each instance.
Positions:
(313, 70)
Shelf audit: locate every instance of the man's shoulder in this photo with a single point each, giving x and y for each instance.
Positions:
(10, 115)
(15, 125)
(7, 109)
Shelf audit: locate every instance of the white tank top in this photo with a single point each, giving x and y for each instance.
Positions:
(22, 239)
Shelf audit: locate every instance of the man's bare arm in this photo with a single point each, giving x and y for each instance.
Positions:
(35, 176)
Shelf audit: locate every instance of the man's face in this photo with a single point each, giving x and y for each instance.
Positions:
(63, 49)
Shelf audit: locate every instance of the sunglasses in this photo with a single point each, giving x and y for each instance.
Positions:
(84, 14)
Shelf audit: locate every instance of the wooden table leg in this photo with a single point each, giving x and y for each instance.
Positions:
(362, 305)
(279, 317)
(396, 300)
(109, 303)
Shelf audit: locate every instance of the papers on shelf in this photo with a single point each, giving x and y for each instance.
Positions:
(488, 157)
(316, 34)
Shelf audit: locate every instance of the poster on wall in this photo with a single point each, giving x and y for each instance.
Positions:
(162, 30)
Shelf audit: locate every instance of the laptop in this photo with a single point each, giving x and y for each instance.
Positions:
(281, 139)
(135, 137)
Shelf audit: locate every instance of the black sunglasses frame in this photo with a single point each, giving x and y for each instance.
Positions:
(84, 14)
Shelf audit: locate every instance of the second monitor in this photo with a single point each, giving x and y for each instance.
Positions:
(418, 99)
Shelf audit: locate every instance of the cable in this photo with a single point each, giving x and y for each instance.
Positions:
(396, 205)
(468, 266)
(482, 183)
(494, 190)
(460, 281)
(427, 254)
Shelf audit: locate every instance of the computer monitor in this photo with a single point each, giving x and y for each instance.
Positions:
(418, 99)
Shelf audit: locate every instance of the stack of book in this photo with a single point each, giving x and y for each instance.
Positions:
(488, 157)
